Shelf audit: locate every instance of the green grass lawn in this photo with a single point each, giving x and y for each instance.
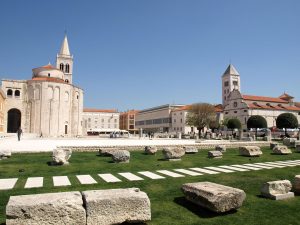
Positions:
(167, 203)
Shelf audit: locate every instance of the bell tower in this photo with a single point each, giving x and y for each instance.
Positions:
(64, 60)
(230, 82)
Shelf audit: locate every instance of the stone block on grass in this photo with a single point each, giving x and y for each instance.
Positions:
(173, 154)
(115, 206)
(190, 150)
(215, 154)
(121, 156)
(281, 150)
(61, 156)
(150, 150)
(221, 148)
(250, 151)
(289, 142)
(4, 154)
(215, 197)
(106, 151)
(277, 190)
(43, 209)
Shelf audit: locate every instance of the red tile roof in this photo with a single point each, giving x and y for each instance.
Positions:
(100, 110)
(272, 107)
(263, 99)
(49, 79)
(218, 108)
(183, 108)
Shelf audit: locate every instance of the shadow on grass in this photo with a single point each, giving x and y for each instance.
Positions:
(198, 210)
(126, 223)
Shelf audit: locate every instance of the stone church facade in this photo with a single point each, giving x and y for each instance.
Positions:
(48, 104)
(241, 106)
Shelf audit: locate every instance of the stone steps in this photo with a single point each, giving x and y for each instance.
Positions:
(58, 181)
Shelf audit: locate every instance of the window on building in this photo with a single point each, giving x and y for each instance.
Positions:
(235, 83)
(115, 120)
(226, 113)
(77, 96)
(67, 68)
(115, 125)
(235, 104)
(225, 98)
(131, 127)
(17, 93)
(245, 110)
(174, 120)
(180, 120)
(89, 119)
(235, 111)
(61, 67)
(226, 83)
(48, 74)
(9, 93)
(67, 81)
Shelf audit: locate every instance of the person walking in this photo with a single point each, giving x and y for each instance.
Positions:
(19, 132)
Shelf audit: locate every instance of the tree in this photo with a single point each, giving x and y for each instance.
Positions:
(256, 122)
(200, 115)
(286, 121)
(214, 124)
(234, 123)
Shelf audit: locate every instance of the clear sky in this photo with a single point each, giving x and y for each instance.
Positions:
(136, 54)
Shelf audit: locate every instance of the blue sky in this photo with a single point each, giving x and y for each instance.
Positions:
(136, 54)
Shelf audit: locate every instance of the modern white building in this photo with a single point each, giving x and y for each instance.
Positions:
(156, 119)
(238, 105)
(97, 121)
(48, 104)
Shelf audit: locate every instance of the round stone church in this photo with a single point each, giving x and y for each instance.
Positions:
(48, 104)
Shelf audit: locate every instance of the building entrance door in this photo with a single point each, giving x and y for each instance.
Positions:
(13, 120)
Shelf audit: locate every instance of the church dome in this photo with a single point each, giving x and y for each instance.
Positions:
(47, 71)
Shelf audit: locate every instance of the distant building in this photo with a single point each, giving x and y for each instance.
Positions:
(156, 119)
(127, 121)
(2, 103)
(48, 104)
(100, 120)
(179, 121)
(238, 105)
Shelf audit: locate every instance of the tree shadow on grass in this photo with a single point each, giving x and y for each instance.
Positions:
(198, 210)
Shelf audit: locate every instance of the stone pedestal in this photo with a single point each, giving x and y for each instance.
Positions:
(277, 190)
(212, 196)
(116, 206)
(43, 209)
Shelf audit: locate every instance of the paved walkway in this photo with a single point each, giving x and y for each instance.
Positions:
(37, 182)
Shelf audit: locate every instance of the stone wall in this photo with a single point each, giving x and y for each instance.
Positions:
(200, 146)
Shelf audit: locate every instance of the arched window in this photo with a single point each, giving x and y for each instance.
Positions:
(61, 67)
(67, 68)
(9, 93)
(67, 81)
(17, 93)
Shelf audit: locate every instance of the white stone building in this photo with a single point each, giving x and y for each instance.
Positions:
(179, 121)
(97, 121)
(48, 104)
(237, 105)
